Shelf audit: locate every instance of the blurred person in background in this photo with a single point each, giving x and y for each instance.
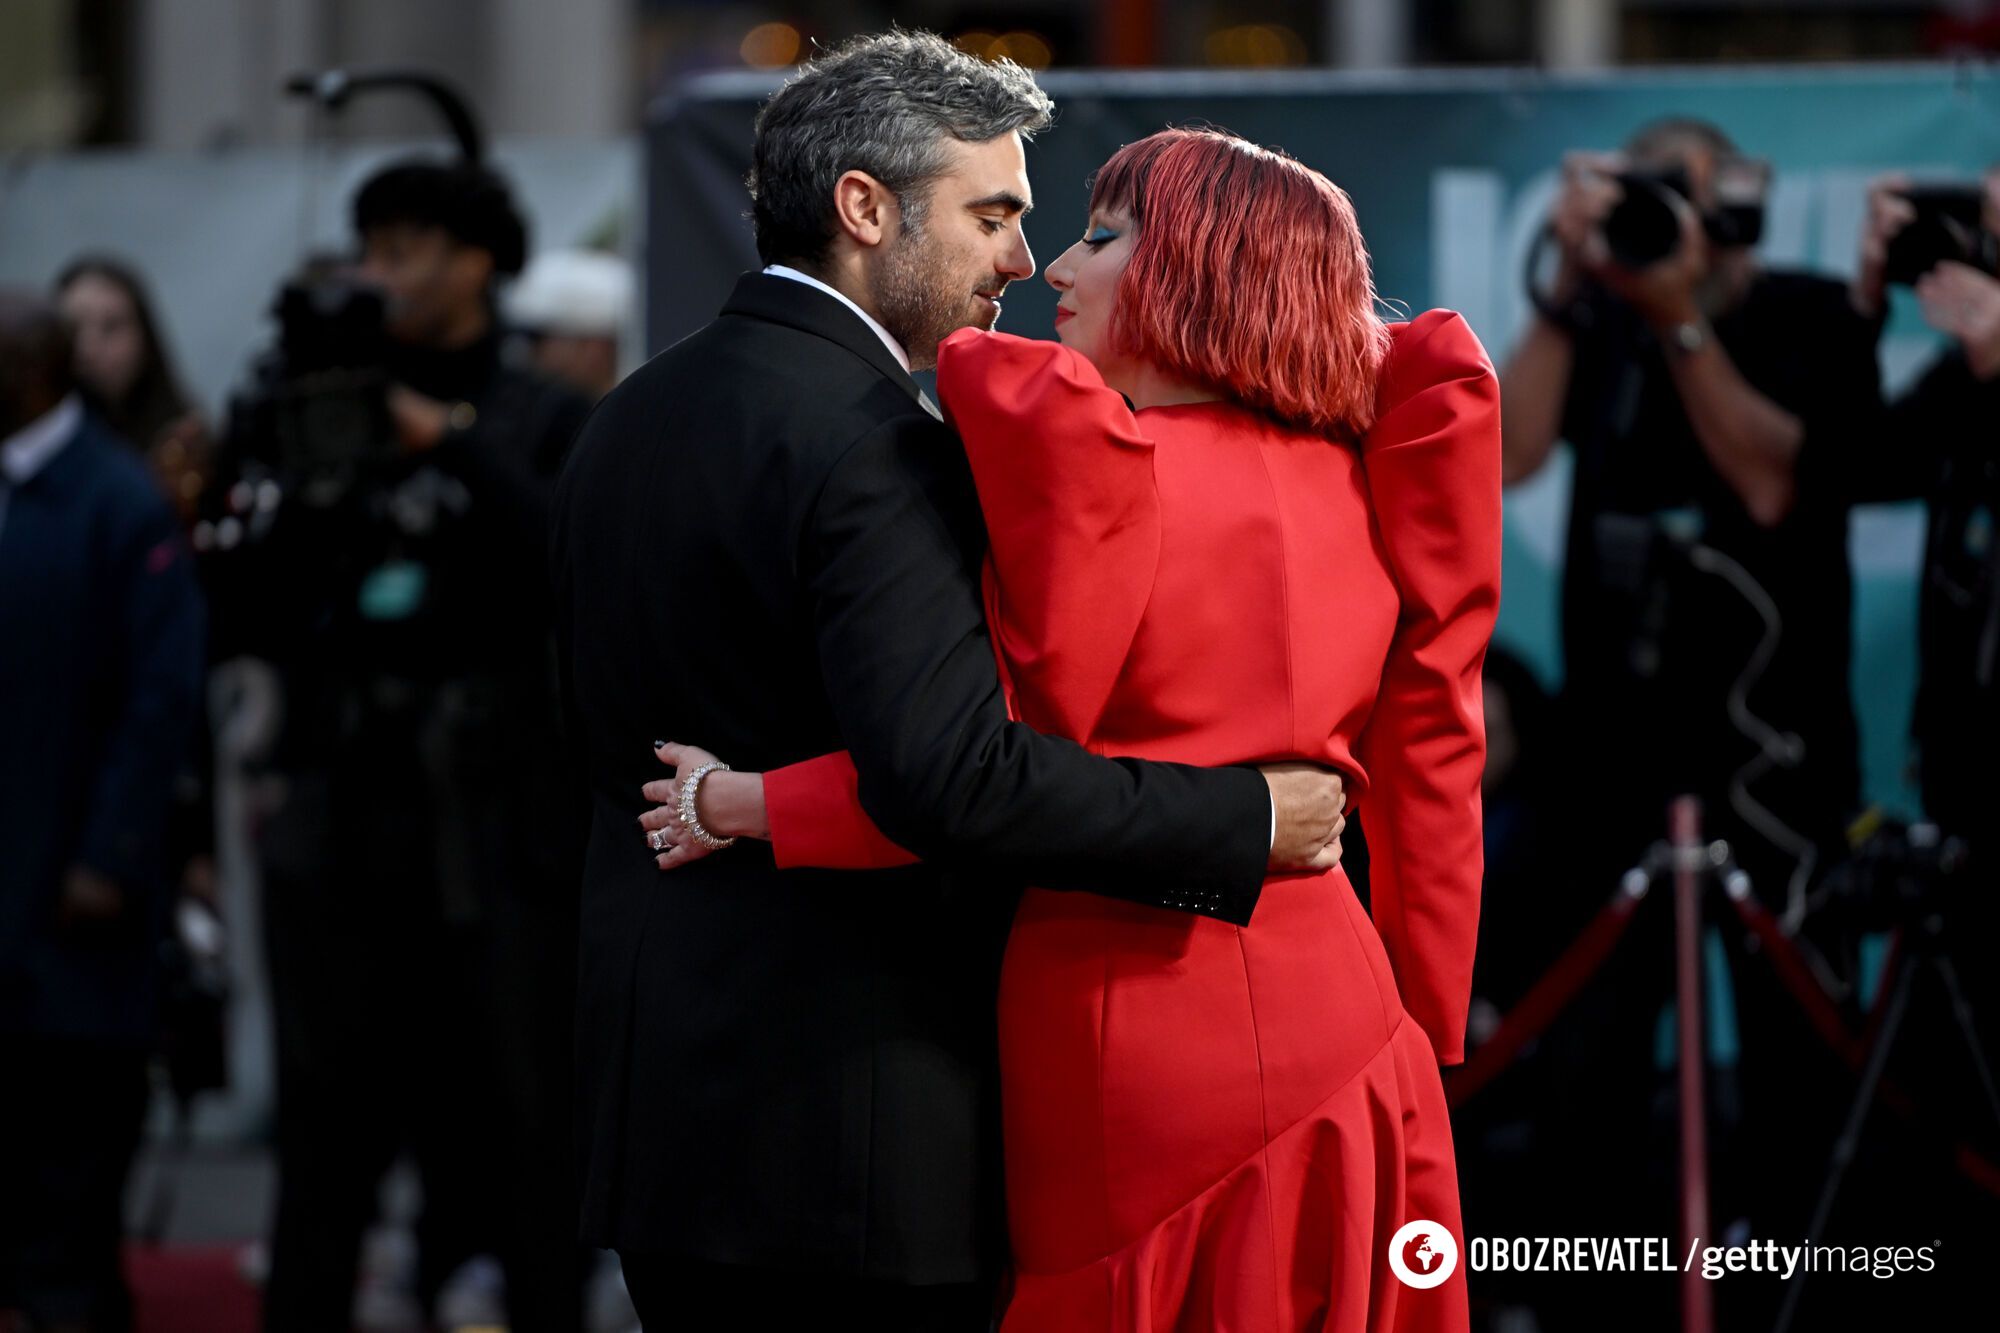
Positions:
(1515, 792)
(419, 912)
(574, 307)
(127, 377)
(1500, 1132)
(1940, 447)
(1712, 407)
(101, 631)
(1940, 438)
(1713, 400)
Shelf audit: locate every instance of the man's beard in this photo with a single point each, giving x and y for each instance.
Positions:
(921, 301)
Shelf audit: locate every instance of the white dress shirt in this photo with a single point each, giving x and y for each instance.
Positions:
(895, 348)
(28, 450)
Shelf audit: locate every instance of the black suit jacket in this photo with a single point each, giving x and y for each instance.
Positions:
(767, 544)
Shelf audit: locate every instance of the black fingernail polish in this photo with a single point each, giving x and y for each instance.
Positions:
(659, 745)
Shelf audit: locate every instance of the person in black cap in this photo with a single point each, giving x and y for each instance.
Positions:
(419, 917)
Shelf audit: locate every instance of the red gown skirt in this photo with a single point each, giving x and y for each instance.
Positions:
(1217, 1130)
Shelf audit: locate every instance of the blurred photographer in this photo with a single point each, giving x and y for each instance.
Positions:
(1942, 241)
(385, 547)
(1711, 406)
(1708, 401)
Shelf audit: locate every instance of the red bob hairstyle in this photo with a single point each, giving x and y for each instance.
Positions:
(1248, 275)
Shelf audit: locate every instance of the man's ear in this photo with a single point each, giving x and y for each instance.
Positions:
(864, 208)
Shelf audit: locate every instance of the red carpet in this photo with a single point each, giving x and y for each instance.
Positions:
(190, 1289)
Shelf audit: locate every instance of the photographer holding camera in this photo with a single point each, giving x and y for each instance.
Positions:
(1711, 407)
(1708, 401)
(385, 549)
(1942, 241)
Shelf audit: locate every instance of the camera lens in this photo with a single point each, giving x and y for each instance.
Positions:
(1642, 228)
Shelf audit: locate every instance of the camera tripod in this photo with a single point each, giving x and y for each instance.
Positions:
(1692, 864)
(1920, 949)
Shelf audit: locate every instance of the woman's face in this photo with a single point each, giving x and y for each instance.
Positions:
(110, 347)
(1085, 277)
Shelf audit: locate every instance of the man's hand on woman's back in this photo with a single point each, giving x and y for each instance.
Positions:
(1310, 803)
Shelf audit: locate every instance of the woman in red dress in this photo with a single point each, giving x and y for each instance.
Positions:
(1234, 518)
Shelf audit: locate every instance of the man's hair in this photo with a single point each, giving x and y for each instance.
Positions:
(468, 202)
(34, 349)
(884, 105)
(1248, 274)
(1660, 138)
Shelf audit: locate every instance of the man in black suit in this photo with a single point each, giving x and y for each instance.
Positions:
(767, 543)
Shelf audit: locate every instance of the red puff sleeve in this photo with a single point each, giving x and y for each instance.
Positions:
(1072, 519)
(1433, 467)
(1066, 485)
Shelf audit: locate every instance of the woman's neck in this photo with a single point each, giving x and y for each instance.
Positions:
(1150, 388)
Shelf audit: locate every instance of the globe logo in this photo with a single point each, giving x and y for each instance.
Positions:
(1423, 1254)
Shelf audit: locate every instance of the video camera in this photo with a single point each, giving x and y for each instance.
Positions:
(1948, 226)
(314, 421)
(315, 418)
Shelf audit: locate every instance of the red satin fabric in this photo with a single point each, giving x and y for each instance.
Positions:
(1212, 1128)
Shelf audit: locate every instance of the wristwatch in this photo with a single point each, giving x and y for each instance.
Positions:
(1685, 339)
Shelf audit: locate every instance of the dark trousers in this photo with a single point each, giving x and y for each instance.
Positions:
(407, 1020)
(676, 1295)
(69, 1126)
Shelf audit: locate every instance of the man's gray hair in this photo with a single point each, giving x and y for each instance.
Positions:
(885, 105)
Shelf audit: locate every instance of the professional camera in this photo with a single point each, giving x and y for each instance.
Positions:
(1644, 226)
(313, 428)
(1948, 226)
(1895, 872)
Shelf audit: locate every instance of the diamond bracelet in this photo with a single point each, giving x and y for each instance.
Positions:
(688, 816)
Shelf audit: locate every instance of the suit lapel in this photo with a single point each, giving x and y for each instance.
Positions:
(784, 301)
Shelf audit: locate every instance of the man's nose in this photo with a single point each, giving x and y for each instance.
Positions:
(1019, 261)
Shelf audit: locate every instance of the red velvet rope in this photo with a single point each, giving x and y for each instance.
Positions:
(1552, 993)
(1547, 998)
